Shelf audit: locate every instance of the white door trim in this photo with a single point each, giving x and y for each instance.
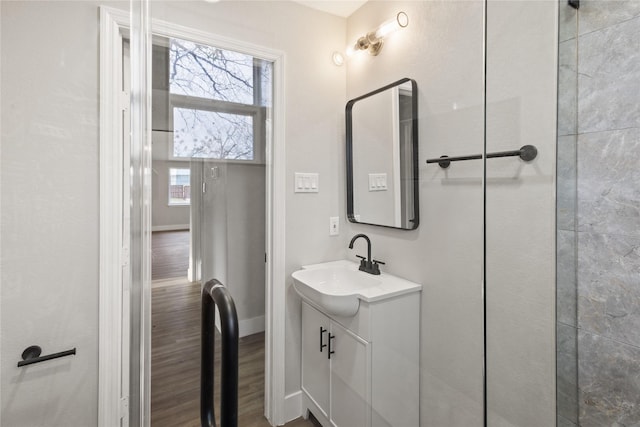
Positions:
(110, 363)
(113, 22)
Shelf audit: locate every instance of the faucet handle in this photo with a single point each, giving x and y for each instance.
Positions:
(363, 261)
(375, 268)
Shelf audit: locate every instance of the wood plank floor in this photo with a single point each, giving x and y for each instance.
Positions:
(175, 363)
(169, 254)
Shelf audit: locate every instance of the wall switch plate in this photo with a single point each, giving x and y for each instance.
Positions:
(377, 182)
(334, 226)
(306, 183)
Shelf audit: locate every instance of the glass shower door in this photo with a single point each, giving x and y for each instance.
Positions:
(219, 121)
(521, 76)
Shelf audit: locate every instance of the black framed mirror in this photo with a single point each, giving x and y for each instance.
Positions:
(382, 157)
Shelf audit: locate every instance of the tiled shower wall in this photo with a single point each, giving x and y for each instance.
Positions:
(599, 215)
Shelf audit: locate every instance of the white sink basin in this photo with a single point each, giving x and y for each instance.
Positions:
(337, 287)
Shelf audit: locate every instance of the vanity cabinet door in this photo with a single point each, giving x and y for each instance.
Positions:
(315, 361)
(350, 378)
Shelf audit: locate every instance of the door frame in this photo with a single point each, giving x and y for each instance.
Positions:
(114, 23)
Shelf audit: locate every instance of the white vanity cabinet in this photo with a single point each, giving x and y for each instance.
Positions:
(363, 371)
(335, 366)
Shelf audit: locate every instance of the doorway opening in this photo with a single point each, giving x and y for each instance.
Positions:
(125, 320)
(210, 108)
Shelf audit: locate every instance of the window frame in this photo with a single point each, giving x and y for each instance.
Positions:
(257, 112)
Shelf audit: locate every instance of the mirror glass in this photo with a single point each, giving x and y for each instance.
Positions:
(382, 157)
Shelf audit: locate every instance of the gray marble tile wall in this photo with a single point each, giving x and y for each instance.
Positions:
(607, 219)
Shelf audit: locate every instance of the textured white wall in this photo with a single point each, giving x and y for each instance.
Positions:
(233, 233)
(442, 49)
(49, 217)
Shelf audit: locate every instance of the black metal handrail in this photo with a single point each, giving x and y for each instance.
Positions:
(526, 153)
(215, 294)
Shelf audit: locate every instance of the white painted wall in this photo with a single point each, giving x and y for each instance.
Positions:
(49, 214)
(233, 237)
(442, 50)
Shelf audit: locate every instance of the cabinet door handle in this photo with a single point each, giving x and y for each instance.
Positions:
(322, 344)
(330, 352)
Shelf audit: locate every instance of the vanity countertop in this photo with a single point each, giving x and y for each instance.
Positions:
(369, 288)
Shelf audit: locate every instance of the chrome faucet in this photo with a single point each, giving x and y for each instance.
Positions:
(367, 264)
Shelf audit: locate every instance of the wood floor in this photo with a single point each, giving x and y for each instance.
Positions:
(169, 254)
(175, 363)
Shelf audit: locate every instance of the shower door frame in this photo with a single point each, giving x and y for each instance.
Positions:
(115, 22)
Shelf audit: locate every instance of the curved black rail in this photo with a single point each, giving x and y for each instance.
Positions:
(215, 294)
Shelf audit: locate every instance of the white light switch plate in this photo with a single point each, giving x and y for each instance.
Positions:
(334, 226)
(377, 182)
(306, 182)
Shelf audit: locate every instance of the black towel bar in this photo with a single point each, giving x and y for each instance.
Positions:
(31, 355)
(526, 153)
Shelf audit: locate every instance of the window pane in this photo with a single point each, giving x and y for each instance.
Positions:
(179, 186)
(213, 135)
(211, 73)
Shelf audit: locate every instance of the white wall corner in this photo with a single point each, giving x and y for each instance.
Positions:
(293, 406)
(251, 326)
(245, 326)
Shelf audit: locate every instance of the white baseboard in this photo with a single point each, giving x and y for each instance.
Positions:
(246, 326)
(251, 326)
(174, 227)
(293, 406)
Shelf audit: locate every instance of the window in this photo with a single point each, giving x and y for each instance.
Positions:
(207, 72)
(179, 187)
(211, 134)
(218, 101)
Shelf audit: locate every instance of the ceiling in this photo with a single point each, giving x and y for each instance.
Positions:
(342, 8)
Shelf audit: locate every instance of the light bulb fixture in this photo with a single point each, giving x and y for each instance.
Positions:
(338, 58)
(373, 40)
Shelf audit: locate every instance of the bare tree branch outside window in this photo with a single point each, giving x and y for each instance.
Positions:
(209, 73)
(208, 134)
